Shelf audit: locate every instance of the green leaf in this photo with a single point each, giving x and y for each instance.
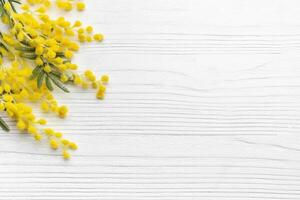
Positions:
(48, 83)
(2, 45)
(56, 73)
(31, 56)
(1, 10)
(58, 83)
(24, 48)
(25, 43)
(37, 70)
(40, 79)
(60, 54)
(3, 125)
(15, 1)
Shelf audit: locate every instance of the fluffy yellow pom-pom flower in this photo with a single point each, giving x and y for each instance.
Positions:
(66, 155)
(98, 37)
(105, 79)
(80, 6)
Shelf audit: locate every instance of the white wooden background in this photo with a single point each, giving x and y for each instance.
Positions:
(204, 104)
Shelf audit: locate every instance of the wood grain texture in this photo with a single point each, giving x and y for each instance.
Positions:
(203, 105)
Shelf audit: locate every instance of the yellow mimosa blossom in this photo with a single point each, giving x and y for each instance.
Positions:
(39, 51)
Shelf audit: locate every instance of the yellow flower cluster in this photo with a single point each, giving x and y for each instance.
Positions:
(40, 50)
(16, 88)
(68, 5)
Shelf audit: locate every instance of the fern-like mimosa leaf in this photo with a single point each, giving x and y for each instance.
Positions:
(48, 83)
(3, 125)
(58, 83)
(37, 70)
(40, 79)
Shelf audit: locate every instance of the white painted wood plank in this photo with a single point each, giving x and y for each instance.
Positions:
(203, 104)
